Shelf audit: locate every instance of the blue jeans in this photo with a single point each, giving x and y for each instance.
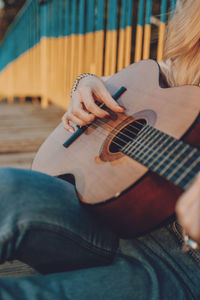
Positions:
(43, 224)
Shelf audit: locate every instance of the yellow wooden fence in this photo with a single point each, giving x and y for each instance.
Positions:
(52, 42)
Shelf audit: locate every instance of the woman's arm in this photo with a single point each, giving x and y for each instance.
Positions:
(188, 210)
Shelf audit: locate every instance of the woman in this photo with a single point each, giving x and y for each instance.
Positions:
(43, 224)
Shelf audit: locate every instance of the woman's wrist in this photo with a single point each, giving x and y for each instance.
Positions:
(78, 79)
(104, 78)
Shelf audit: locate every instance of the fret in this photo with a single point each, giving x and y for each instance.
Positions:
(143, 146)
(190, 160)
(128, 146)
(174, 160)
(168, 143)
(165, 155)
(195, 164)
(144, 133)
(156, 165)
(192, 170)
(150, 159)
(149, 146)
(185, 160)
(154, 149)
(187, 179)
(139, 140)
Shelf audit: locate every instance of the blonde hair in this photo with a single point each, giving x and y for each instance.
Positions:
(182, 45)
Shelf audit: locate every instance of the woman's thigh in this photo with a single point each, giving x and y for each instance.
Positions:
(43, 224)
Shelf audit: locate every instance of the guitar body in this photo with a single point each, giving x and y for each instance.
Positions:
(132, 199)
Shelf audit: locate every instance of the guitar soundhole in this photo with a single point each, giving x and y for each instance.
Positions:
(126, 134)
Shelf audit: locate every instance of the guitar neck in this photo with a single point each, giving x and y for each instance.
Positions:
(170, 158)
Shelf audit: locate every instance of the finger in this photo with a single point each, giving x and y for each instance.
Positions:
(191, 211)
(66, 123)
(84, 116)
(76, 120)
(188, 217)
(191, 226)
(90, 104)
(80, 112)
(194, 231)
(103, 95)
(186, 200)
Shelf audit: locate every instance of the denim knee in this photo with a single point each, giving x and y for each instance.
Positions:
(18, 199)
(10, 186)
(29, 196)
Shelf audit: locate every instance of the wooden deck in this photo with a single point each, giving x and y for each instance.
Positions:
(23, 128)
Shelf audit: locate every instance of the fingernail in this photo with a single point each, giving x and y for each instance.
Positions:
(69, 129)
(122, 107)
(107, 116)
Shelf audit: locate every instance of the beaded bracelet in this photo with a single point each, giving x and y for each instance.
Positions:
(76, 82)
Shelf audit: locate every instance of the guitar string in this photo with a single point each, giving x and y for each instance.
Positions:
(130, 125)
(176, 164)
(154, 151)
(102, 104)
(148, 148)
(132, 140)
(125, 128)
(102, 122)
(113, 128)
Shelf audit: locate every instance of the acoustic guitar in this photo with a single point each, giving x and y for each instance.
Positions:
(130, 169)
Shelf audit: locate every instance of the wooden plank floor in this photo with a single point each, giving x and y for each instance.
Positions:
(23, 128)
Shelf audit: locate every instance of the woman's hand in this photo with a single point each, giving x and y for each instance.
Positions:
(83, 109)
(188, 210)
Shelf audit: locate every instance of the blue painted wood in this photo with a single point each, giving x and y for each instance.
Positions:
(126, 13)
(90, 16)
(148, 12)
(112, 15)
(100, 15)
(163, 11)
(123, 14)
(129, 21)
(60, 17)
(47, 20)
(74, 29)
(172, 8)
(11, 48)
(140, 20)
(82, 17)
(67, 29)
(43, 20)
(54, 16)
(64, 17)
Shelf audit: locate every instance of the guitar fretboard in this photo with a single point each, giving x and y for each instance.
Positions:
(170, 158)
